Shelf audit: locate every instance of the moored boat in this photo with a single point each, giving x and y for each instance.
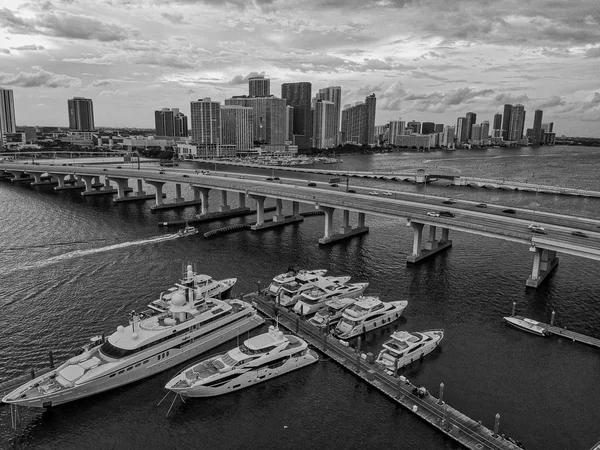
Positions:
(367, 314)
(289, 277)
(529, 325)
(313, 299)
(292, 291)
(405, 347)
(150, 344)
(331, 313)
(258, 359)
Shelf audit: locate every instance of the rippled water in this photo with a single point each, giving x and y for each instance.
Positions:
(71, 267)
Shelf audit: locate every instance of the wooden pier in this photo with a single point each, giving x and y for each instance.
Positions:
(568, 334)
(436, 412)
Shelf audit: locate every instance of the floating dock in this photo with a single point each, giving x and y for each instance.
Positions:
(436, 412)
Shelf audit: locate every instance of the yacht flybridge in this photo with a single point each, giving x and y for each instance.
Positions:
(258, 359)
(292, 291)
(313, 299)
(289, 276)
(151, 343)
(367, 314)
(405, 347)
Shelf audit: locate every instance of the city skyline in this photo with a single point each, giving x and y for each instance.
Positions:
(428, 61)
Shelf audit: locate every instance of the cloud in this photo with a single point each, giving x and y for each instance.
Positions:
(593, 52)
(239, 79)
(503, 99)
(166, 60)
(13, 23)
(552, 102)
(116, 93)
(32, 47)
(392, 97)
(440, 101)
(5, 51)
(99, 83)
(40, 78)
(174, 18)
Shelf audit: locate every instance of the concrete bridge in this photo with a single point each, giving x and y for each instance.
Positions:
(410, 209)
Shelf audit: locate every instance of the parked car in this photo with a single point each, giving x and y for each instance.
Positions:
(433, 214)
(269, 179)
(509, 211)
(276, 178)
(186, 176)
(537, 229)
(579, 233)
(311, 184)
(481, 205)
(105, 170)
(447, 214)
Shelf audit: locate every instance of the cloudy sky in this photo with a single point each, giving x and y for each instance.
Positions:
(427, 60)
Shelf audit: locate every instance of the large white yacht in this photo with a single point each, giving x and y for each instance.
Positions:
(313, 299)
(289, 276)
(203, 286)
(405, 347)
(367, 314)
(292, 291)
(331, 313)
(256, 360)
(148, 345)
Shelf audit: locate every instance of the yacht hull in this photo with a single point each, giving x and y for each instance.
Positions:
(397, 363)
(370, 325)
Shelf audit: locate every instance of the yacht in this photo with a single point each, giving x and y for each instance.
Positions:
(368, 313)
(202, 285)
(529, 325)
(313, 299)
(405, 347)
(256, 360)
(292, 291)
(289, 276)
(331, 313)
(150, 344)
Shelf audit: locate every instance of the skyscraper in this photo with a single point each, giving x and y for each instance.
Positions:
(259, 86)
(414, 126)
(439, 128)
(485, 130)
(324, 125)
(289, 124)
(299, 96)
(7, 114)
(81, 114)
(237, 126)
(169, 122)
(370, 110)
(517, 123)
(206, 121)
(461, 130)
(506, 122)
(428, 128)
(333, 94)
(269, 118)
(537, 127)
(358, 122)
(471, 119)
(396, 128)
(497, 121)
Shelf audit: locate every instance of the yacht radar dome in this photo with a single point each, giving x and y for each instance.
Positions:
(120, 328)
(178, 299)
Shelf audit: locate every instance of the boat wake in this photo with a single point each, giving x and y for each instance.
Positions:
(91, 251)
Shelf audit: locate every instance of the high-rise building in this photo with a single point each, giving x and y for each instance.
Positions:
(289, 124)
(485, 130)
(370, 110)
(259, 86)
(81, 114)
(428, 128)
(324, 125)
(517, 123)
(497, 121)
(7, 115)
(269, 118)
(548, 127)
(506, 122)
(461, 130)
(476, 133)
(395, 129)
(439, 128)
(206, 121)
(333, 94)
(537, 127)
(471, 119)
(237, 126)
(299, 96)
(448, 137)
(181, 125)
(358, 122)
(169, 122)
(414, 126)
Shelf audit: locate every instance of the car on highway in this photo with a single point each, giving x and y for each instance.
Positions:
(450, 201)
(447, 214)
(269, 179)
(311, 184)
(118, 167)
(333, 185)
(373, 193)
(537, 229)
(509, 211)
(433, 214)
(481, 205)
(579, 233)
(387, 193)
(185, 176)
(162, 172)
(105, 170)
(352, 191)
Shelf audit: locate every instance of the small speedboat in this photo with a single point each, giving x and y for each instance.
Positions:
(187, 231)
(406, 347)
(529, 325)
(256, 360)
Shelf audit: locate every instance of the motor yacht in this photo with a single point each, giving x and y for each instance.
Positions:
(313, 299)
(331, 313)
(258, 359)
(203, 286)
(406, 347)
(289, 277)
(150, 344)
(292, 291)
(525, 324)
(368, 313)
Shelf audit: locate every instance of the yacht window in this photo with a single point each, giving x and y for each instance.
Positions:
(115, 352)
(348, 322)
(381, 305)
(129, 368)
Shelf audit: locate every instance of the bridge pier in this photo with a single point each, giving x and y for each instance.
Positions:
(241, 200)
(158, 185)
(224, 205)
(201, 196)
(40, 180)
(63, 183)
(20, 176)
(431, 247)
(346, 230)
(279, 218)
(91, 182)
(544, 262)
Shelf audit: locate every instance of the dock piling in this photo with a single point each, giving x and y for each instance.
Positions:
(258, 286)
(441, 400)
(358, 362)
(32, 373)
(552, 318)
(513, 310)
(496, 424)
(358, 344)
(51, 356)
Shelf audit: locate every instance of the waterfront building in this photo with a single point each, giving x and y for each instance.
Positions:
(428, 127)
(448, 137)
(471, 119)
(259, 86)
(169, 122)
(461, 130)
(497, 127)
(506, 122)
(537, 127)
(395, 128)
(358, 122)
(476, 134)
(269, 118)
(324, 125)
(7, 115)
(414, 140)
(81, 114)
(548, 127)
(439, 128)
(414, 127)
(333, 94)
(237, 126)
(370, 110)
(485, 130)
(206, 121)
(517, 123)
(299, 96)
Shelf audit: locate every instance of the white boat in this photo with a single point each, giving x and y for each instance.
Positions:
(313, 299)
(258, 359)
(289, 277)
(529, 325)
(367, 314)
(331, 313)
(406, 347)
(202, 285)
(148, 345)
(292, 291)
(187, 231)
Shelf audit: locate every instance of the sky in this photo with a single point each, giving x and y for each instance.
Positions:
(425, 60)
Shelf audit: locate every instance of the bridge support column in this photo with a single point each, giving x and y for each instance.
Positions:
(140, 188)
(432, 246)
(88, 180)
(328, 222)
(122, 185)
(295, 209)
(37, 178)
(260, 210)
(346, 231)
(19, 175)
(60, 179)
(178, 196)
(224, 205)
(431, 242)
(361, 220)
(345, 228)
(241, 200)
(278, 217)
(202, 192)
(445, 235)
(158, 185)
(544, 262)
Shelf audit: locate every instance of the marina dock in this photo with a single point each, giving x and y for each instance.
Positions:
(434, 411)
(550, 328)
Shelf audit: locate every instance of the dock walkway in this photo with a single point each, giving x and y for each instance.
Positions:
(563, 332)
(452, 423)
